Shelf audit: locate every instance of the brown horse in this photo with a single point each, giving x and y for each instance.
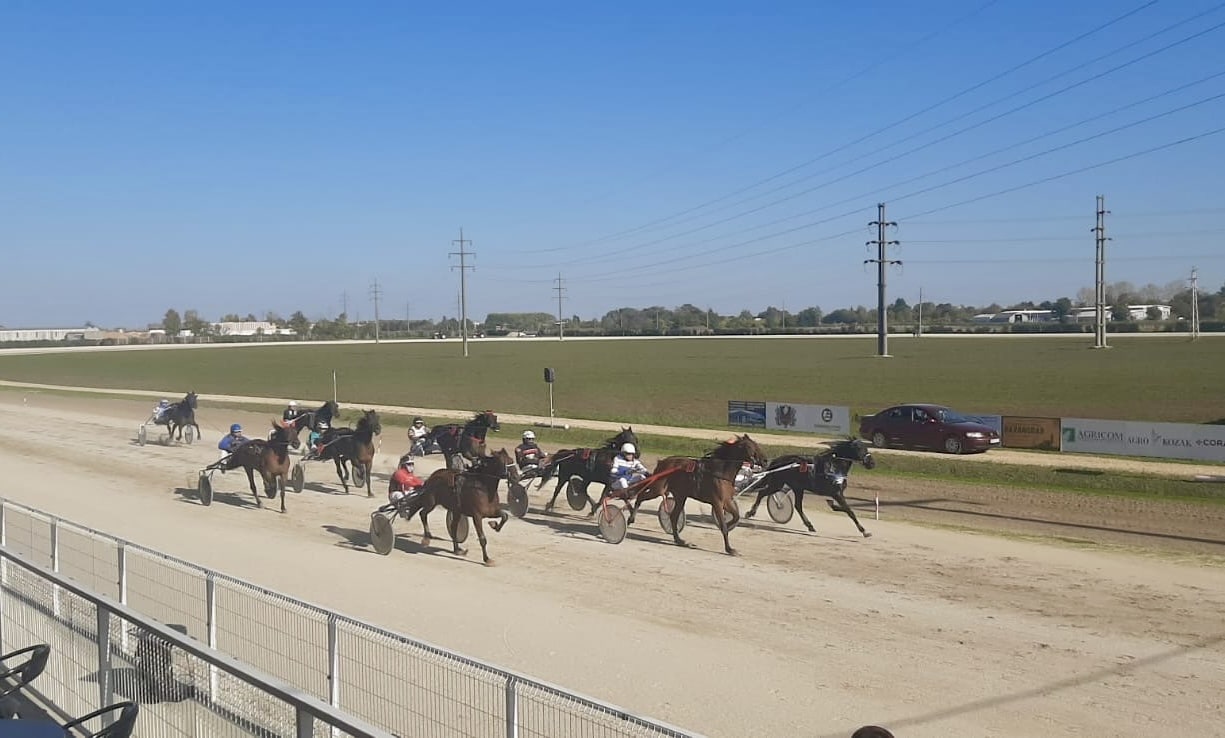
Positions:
(710, 479)
(471, 493)
(270, 458)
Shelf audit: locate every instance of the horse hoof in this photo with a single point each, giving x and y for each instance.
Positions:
(866, 534)
(461, 552)
(425, 540)
(489, 562)
(732, 552)
(811, 529)
(750, 514)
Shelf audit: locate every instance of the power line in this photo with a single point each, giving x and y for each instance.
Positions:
(1026, 239)
(1051, 218)
(1164, 257)
(861, 139)
(463, 285)
(960, 131)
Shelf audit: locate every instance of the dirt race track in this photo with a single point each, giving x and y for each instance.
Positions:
(929, 629)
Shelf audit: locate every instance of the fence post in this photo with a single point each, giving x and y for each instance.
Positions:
(305, 724)
(106, 692)
(4, 573)
(512, 708)
(55, 564)
(333, 661)
(121, 550)
(210, 619)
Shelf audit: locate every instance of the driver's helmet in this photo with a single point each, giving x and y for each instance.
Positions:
(627, 449)
(418, 421)
(163, 402)
(407, 462)
(323, 425)
(529, 435)
(235, 429)
(293, 403)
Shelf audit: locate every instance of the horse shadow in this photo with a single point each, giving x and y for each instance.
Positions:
(233, 499)
(359, 540)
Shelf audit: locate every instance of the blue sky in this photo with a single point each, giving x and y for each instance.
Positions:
(245, 157)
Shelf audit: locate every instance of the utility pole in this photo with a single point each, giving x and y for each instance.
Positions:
(344, 300)
(560, 290)
(919, 331)
(463, 255)
(1194, 303)
(882, 326)
(375, 294)
(1099, 231)
(408, 317)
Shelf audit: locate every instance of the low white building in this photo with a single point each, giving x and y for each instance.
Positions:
(251, 328)
(50, 334)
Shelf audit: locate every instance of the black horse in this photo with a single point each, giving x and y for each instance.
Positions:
(465, 441)
(316, 420)
(589, 464)
(352, 445)
(180, 415)
(825, 474)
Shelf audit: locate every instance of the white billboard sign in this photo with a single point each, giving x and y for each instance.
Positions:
(1132, 438)
(826, 420)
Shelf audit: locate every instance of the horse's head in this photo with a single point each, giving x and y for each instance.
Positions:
(487, 419)
(329, 411)
(854, 449)
(508, 465)
(190, 400)
(625, 436)
(285, 432)
(740, 448)
(370, 421)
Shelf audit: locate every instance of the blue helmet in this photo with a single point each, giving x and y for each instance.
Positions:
(236, 428)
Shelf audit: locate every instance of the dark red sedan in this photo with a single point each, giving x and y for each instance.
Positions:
(919, 425)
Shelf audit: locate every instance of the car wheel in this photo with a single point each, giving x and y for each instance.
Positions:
(952, 444)
(879, 440)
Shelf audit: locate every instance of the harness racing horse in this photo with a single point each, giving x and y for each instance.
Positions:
(269, 457)
(825, 475)
(589, 464)
(466, 441)
(311, 419)
(710, 479)
(180, 415)
(356, 446)
(471, 493)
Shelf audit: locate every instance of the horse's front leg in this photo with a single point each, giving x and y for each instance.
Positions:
(846, 507)
(678, 506)
(425, 524)
(480, 535)
(556, 491)
(453, 530)
(502, 520)
(720, 513)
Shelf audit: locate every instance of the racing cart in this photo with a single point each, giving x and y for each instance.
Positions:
(781, 504)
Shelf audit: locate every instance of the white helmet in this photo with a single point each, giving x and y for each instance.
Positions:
(407, 462)
(293, 403)
(529, 435)
(628, 448)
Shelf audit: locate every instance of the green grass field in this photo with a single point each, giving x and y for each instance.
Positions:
(688, 381)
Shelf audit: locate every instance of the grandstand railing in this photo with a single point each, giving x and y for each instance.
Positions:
(401, 684)
(183, 687)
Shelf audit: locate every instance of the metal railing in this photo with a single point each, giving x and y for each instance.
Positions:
(401, 684)
(103, 652)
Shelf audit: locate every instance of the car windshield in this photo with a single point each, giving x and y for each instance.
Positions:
(950, 416)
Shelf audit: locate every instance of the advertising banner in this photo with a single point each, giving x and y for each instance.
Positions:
(1026, 432)
(745, 412)
(1131, 438)
(826, 420)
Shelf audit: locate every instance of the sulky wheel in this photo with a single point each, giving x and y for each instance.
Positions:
(461, 532)
(359, 475)
(781, 506)
(189, 435)
(141, 435)
(665, 516)
(612, 523)
(382, 536)
(518, 500)
(576, 495)
(204, 486)
(297, 477)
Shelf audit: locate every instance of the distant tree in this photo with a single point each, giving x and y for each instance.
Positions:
(272, 317)
(1062, 308)
(1153, 312)
(172, 323)
(250, 318)
(194, 323)
(299, 323)
(231, 318)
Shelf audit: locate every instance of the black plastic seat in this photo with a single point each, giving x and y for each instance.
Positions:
(121, 727)
(25, 672)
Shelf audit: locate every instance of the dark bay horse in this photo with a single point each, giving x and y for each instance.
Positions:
(710, 479)
(180, 415)
(589, 464)
(824, 474)
(313, 420)
(471, 493)
(344, 446)
(466, 441)
(269, 457)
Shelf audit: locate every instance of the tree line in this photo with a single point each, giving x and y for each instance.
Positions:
(691, 319)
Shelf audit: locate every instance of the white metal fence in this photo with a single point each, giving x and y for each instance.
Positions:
(403, 685)
(103, 652)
